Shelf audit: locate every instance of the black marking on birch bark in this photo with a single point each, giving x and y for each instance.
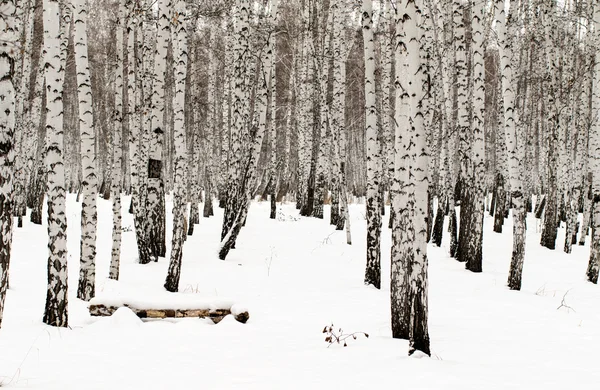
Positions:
(154, 169)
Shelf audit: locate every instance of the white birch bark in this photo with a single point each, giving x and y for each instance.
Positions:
(8, 49)
(373, 268)
(226, 114)
(23, 112)
(55, 313)
(401, 232)
(476, 190)
(155, 202)
(387, 85)
(239, 107)
(117, 147)
(506, 30)
(87, 273)
(179, 202)
(134, 72)
(211, 125)
(273, 179)
(594, 161)
(322, 66)
(418, 179)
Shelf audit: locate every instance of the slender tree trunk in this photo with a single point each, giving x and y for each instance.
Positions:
(373, 269)
(415, 31)
(401, 251)
(475, 193)
(156, 192)
(87, 273)
(23, 112)
(8, 48)
(594, 162)
(55, 313)
(138, 198)
(514, 135)
(117, 147)
(179, 203)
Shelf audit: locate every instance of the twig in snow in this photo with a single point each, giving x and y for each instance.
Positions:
(564, 304)
(339, 337)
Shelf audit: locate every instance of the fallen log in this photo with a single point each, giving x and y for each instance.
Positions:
(216, 315)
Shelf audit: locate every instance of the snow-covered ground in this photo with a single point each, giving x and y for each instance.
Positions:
(296, 275)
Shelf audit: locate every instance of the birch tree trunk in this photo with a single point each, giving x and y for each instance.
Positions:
(23, 112)
(322, 67)
(238, 115)
(179, 202)
(138, 200)
(274, 180)
(418, 276)
(211, 126)
(117, 147)
(247, 182)
(87, 273)
(594, 161)
(476, 191)
(55, 313)
(552, 123)
(8, 48)
(514, 141)
(401, 250)
(373, 268)
(156, 188)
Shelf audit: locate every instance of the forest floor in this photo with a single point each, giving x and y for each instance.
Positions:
(295, 276)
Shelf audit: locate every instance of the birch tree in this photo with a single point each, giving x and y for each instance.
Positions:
(179, 203)
(23, 111)
(8, 48)
(373, 268)
(55, 313)
(415, 31)
(117, 146)
(475, 205)
(506, 35)
(155, 207)
(594, 162)
(409, 277)
(138, 200)
(87, 274)
(401, 251)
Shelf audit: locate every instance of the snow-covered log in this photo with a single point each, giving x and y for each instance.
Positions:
(216, 315)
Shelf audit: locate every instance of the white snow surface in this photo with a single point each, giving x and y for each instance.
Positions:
(294, 278)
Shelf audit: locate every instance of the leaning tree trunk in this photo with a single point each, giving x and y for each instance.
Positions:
(179, 203)
(117, 147)
(8, 47)
(373, 268)
(239, 104)
(87, 272)
(246, 186)
(55, 313)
